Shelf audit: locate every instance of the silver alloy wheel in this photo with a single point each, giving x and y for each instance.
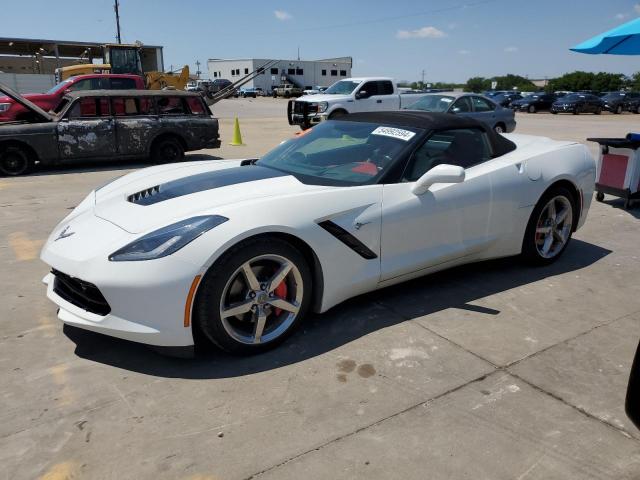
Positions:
(554, 226)
(252, 309)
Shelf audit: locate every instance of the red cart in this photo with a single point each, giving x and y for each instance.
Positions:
(618, 170)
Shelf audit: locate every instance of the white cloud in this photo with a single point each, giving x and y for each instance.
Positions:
(511, 49)
(621, 16)
(464, 52)
(636, 7)
(424, 32)
(282, 15)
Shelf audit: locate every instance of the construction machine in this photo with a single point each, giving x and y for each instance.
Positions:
(121, 58)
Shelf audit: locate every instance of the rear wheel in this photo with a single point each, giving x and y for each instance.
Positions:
(550, 227)
(532, 109)
(14, 161)
(600, 196)
(254, 296)
(618, 109)
(167, 150)
(598, 110)
(499, 128)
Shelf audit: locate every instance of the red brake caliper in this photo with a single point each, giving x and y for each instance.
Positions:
(281, 292)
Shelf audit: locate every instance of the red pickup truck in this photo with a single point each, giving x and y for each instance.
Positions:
(10, 110)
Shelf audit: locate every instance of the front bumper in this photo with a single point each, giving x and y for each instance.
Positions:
(146, 300)
(299, 113)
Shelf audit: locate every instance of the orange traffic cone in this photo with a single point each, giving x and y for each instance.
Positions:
(236, 141)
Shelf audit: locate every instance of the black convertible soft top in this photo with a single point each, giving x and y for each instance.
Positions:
(430, 121)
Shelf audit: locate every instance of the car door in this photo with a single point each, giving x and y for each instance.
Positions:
(365, 97)
(484, 110)
(461, 106)
(447, 222)
(386, 99)
(175, 117)
(136, 124)
(87, 130)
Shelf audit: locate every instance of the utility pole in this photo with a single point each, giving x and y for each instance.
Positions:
(198, 72)
(422, 78)
(115, 7)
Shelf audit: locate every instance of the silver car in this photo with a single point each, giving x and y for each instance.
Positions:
(501, 119)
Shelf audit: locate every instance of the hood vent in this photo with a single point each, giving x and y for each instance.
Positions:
(203, 181)
(142, 195)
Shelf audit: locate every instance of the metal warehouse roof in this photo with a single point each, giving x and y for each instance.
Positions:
(66, 48)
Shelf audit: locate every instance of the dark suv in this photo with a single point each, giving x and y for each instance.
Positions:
(105, 125)
(618, 102)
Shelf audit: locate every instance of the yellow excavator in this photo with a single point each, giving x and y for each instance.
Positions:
(121, 58)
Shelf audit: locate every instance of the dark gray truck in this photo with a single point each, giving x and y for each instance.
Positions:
(107, 125)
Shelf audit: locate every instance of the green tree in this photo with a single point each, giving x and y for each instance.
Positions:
(477, 84)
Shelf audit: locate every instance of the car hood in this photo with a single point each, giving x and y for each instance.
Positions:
(15, 96)
(157, 196)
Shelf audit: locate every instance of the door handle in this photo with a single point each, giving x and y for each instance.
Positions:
(378, 101)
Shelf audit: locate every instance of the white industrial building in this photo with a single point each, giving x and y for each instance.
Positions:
(302, 73)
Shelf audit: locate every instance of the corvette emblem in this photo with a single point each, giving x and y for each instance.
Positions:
(64, 234)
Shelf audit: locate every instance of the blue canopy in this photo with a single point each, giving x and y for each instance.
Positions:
(622, 40)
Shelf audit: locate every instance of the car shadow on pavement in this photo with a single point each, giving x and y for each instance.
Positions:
(618, 204)
(355, 318)
(103, 166)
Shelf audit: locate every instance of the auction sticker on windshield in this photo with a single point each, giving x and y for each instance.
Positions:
(398, 133)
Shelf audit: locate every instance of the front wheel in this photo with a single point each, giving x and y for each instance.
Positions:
(532, 109)
(254, 296)
(14, 161)
(600, 196)
(499, 128)
(550, 227)
(618, 109)
(598, 111)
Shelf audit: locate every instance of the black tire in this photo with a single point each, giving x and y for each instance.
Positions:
(337, 114)
(14, 161)
(167, 150)
(598, 111)
(499, 128)
(207, 306)
(599, 196)
(530, 251)
(275, 95)
(553, 112)
(618, 110)
(532, 109)
(576, 111)
(637, 110)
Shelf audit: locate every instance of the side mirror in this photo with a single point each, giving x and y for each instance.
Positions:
(67, 90)
(362, 94)
(439, 174)
(455, 110)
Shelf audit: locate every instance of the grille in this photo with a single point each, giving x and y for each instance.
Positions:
(297, 107)
(143, 194)
(80, 293)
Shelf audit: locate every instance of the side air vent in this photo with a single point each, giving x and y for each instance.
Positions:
(349, 240)
(142, 195)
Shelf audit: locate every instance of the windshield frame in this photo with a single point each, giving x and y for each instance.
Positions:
(390, 174)
(433, 95)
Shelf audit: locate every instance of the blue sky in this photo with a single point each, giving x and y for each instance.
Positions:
(451, 40)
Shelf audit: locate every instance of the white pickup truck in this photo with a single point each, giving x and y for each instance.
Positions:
(366, 94)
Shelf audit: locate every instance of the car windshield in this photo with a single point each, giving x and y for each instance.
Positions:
(573, 97)
(343, 87)
(432, 103)
(341, 153)
(59, 86)
(613, 95)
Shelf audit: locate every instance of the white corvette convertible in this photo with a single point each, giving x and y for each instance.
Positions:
(242, 249)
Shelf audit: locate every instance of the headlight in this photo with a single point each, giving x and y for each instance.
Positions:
(167, 240)
(4, 107)
(322, 107)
